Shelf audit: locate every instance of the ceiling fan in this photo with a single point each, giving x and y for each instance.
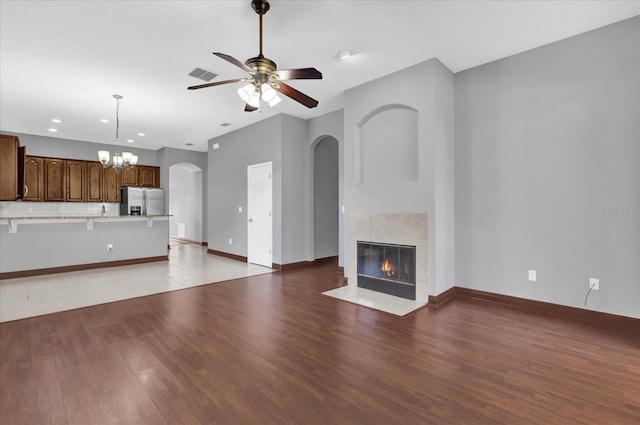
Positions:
(265, 79)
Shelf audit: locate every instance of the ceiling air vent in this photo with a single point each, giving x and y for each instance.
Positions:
(225, 124)
(188, 144)
(203, 74)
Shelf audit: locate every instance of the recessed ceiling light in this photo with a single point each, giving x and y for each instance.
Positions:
(56, 120)
(188, 144)
(225, 124)
(344, 54)
(104, 120)
(141, 134)
(130, 141)
(53, 130)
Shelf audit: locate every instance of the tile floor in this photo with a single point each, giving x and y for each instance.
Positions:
(379, 301)
(189, 265)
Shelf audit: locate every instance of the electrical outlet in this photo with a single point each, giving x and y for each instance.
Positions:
(594, 283)
(230, 241)
(532, 275)
(109, 247)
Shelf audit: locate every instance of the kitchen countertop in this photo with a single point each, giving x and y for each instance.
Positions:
(79, 217)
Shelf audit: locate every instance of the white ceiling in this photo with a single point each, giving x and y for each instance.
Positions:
(64, 59)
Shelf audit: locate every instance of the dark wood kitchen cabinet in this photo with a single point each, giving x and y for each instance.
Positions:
(111, 185)
(148, 176)
(11, 168)
(54, 180)
(129, 176)
(33, 178)
(76, 181)
(95, 179)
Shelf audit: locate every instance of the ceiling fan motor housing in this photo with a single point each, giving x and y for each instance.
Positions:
(262, 66)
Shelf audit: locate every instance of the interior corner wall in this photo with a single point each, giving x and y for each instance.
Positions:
(227, 184)
(294, 190)
(444, 178)
(328, 125)
(546, 176)
(415, 196)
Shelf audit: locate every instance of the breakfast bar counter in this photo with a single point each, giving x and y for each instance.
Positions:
(33, 245)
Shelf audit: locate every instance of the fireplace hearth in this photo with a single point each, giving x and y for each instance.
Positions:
(387, 268)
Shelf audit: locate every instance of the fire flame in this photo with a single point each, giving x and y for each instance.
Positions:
(387, 268)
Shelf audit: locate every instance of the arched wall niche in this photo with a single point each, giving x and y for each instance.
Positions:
(386, 146)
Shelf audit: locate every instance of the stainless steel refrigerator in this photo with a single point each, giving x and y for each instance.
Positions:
(141, 201)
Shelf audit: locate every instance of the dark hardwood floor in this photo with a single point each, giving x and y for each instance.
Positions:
(270, 350)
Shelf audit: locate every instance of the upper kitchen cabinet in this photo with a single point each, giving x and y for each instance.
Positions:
(76, 181)
(54, 179)
(33, 178)
(148, 176)
(129, 176)
(11, 168)
(95, 181)
(141, 175)
(111, 185)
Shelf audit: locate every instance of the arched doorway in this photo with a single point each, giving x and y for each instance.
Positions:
(325, 198)
(185, 202)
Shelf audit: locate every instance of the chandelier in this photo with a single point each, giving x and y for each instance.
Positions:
(119, 161)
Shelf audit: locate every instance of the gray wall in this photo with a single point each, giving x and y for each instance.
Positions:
(326, 207)
(435, 133)
(76, 149)
(294, 190)
(227, 184)
(547, 174)
(287, 142)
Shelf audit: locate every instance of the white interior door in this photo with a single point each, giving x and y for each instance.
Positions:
(259, 203)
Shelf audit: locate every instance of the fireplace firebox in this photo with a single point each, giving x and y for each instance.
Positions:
(387, 268)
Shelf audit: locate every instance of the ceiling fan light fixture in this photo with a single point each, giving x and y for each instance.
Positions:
(246, 92)
(268, 93)
(255, 99)
(277, 99)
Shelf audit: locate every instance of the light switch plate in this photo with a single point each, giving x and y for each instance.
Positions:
(532, 275)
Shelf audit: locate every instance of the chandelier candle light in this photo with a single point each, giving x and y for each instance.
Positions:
(127, 159)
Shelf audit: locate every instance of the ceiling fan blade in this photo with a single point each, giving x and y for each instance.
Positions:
(234, 61)
(298, 74)
(295, 95)
(217, 83)
(249, 108)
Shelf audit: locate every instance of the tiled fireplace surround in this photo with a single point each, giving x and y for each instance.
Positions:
(391, 228)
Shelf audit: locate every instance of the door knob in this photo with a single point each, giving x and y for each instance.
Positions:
(250, 220)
